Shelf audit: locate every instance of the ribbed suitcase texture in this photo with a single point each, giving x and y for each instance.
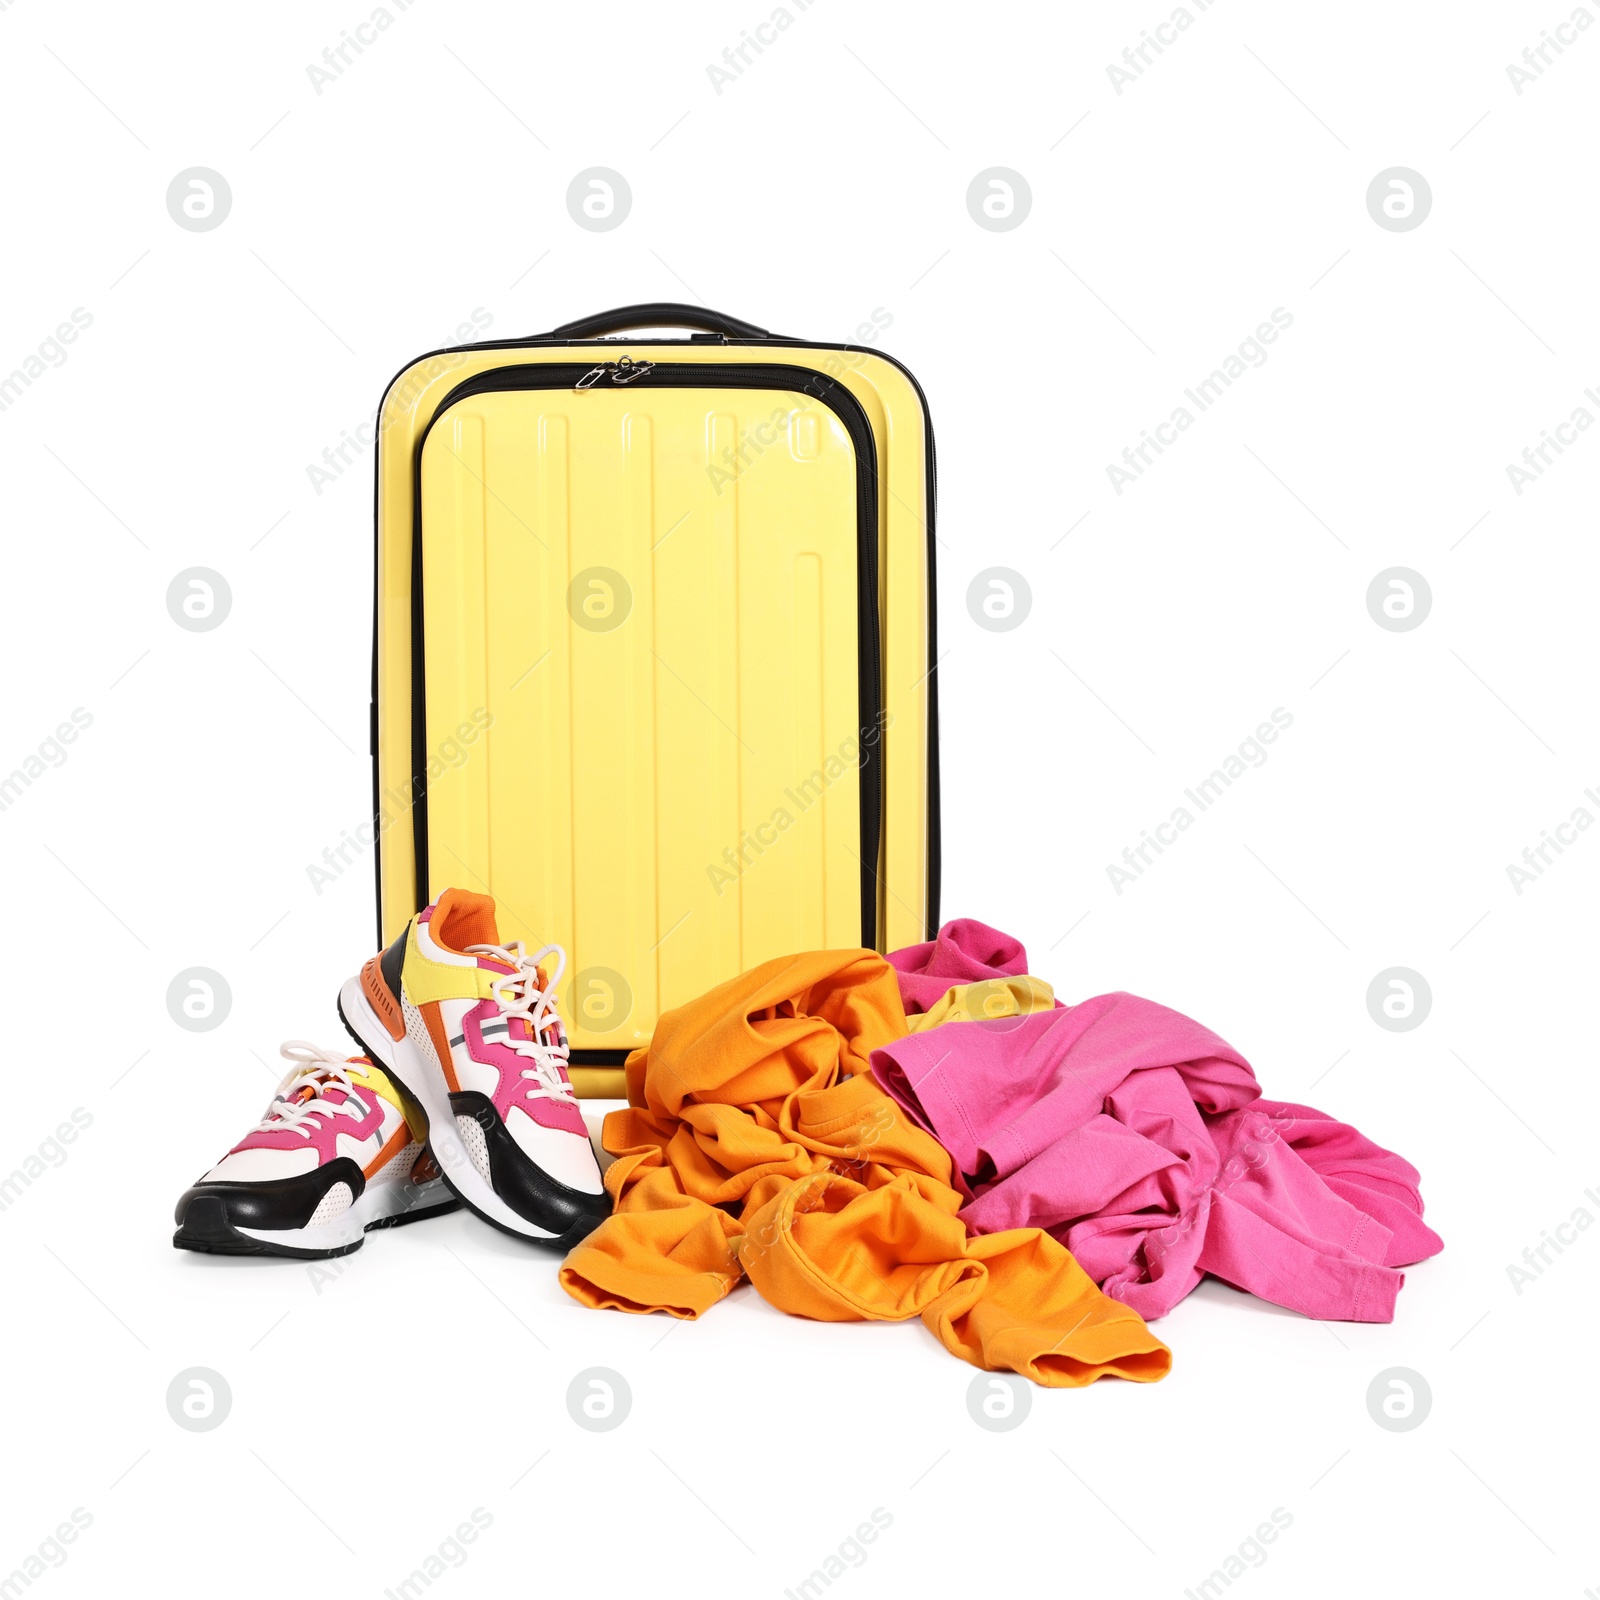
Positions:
(654, 656)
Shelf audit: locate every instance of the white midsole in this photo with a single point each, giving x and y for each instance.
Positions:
(425, 1081)
(376, 1203)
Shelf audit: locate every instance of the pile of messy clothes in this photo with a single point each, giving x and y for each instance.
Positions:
(932, 1134)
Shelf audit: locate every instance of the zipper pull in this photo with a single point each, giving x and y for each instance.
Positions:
(623, 371)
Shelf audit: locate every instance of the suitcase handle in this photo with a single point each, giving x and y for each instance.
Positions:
(666, 314)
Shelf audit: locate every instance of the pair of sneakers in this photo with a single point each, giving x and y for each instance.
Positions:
(459, 1097)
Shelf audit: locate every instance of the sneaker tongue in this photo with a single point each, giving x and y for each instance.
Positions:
(521, 1029)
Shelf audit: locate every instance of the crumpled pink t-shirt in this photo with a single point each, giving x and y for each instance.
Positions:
(1140, 1140)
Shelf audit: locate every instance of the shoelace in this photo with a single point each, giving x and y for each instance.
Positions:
(518, 994)
(319, 1071)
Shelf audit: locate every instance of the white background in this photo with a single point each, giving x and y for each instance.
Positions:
(373, 1413)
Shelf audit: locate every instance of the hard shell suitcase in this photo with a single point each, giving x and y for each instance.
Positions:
(654, 654)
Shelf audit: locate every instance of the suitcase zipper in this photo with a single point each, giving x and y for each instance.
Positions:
(693, 375)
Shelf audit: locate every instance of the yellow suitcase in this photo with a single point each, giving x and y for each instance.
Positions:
(654, 654)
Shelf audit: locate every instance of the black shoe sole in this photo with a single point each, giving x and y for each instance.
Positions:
(206, 1229)
(559, 1242)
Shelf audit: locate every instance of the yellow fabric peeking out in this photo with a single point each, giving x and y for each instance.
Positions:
(986, 1002)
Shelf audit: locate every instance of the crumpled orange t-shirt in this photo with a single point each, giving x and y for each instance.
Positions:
(756, 1145)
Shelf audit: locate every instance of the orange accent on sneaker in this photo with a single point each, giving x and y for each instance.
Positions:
(425, 1169)
(398, 1140)
(381, 998)
(441, 1043)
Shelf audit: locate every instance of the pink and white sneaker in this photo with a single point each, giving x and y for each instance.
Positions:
(469, 1026)
(336, 1153)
